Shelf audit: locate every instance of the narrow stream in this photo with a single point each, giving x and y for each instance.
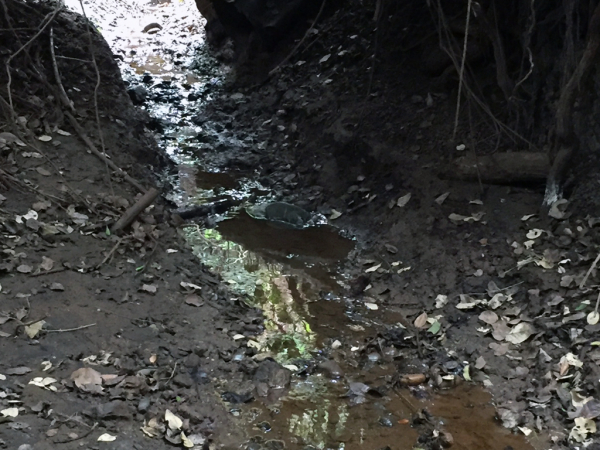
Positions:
(293, 275)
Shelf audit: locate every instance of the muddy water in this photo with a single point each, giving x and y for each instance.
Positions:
(293, 275)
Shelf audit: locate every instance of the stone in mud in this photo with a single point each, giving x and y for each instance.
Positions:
(271, 376)
(331, 369)
(284, 212)
(281, 213)
(138, 94)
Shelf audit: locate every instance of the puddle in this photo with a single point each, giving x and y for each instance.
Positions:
(293, 276)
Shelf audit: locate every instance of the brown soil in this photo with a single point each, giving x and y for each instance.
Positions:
(164, 331)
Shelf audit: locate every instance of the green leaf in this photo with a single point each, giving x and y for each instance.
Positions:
(307, 327)
(107, 231)
(435, 327)
(139, 268)
(466, 373)
(581, 306)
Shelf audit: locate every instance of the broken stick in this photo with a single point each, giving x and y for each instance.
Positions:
(135, 210)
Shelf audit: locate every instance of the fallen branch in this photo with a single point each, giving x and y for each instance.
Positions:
(587, 275)
(130, 215)
(99, 154)
(502, 168)
(67, 330)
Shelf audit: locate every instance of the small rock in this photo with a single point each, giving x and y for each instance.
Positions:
(143, 405)
(138, 94)
(152, 28)
(331, 369)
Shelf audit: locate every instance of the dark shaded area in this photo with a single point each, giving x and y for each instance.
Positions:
(30, 87)
(525, 85)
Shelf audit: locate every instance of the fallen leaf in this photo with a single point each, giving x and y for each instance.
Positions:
(47, 263)
(63, 132)
(24, 268)
(460, 218)
(33, 329)
(44, 382)
(421, 320)
(582, 428)
(441, 301)
(57, 287)
(373, 268)
(185, 284)
(21, 370)
(173, 422)
(480, 363)
(557, 210)
(467, 302)
(193, 300)
(186, 442)
(442, 198)
(371, 306)
(87, 379)
(402, 201)
(489, 317)
(42, 171)
(520, 333)
(150, 288)
(467, 373)
(10, 412)
(106, 438)
(45, 138)
(534, 234)
(334, 214)
(526, 431)
(435, 327)
(325, 58)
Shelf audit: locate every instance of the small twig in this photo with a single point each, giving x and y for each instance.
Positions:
(172, 374)
(462, 69)
(149, 258)
(377, 18)
(114, 249)
(412, 407)
(26, 324)
(66, 330)
(48, 20)
(84, 435)
(63, 94)
(96, 87)
(287, 58)
(592, 267)
(49, 272)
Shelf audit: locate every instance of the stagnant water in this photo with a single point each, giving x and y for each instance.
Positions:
(292, 275)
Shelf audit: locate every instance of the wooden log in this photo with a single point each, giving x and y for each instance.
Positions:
(135, 210)
(502, 168)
